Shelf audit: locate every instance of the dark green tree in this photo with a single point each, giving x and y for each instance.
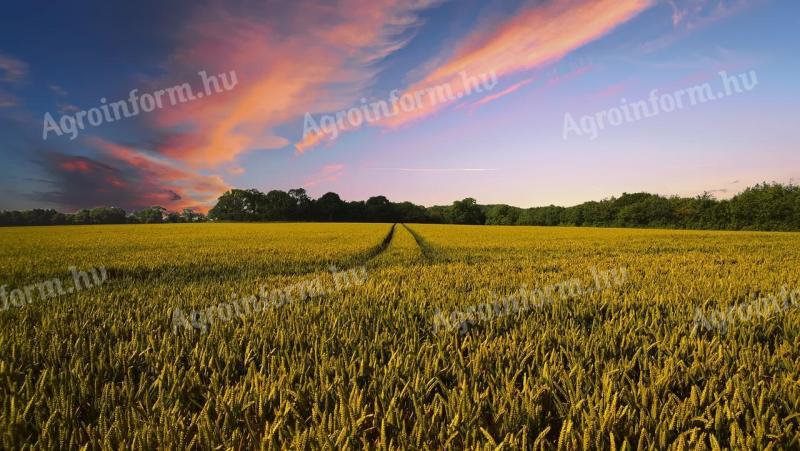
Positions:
(465, 211)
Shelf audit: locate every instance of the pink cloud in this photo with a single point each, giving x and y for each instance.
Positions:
(76, 165)
(538, 35)
(328, 173)
(492, 97)
(160, 181)
(311, 55)
(324, 64)
(613, 90)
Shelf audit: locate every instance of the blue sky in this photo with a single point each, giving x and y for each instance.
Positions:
(506, 144)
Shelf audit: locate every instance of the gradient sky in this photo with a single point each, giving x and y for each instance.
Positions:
(504, 145)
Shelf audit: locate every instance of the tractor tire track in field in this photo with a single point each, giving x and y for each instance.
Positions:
(426, 249)
(380, 248)
(192, 273)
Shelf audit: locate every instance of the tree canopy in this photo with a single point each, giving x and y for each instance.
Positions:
(767, 206)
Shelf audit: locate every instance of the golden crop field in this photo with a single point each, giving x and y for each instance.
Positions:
(381, 336)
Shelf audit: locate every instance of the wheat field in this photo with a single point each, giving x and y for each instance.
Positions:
(330, 336)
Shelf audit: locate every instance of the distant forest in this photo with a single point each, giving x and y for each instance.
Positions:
(768, 206)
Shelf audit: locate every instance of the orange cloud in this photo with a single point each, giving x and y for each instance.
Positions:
(161, 182)
(75, 165)
(312, 56)
(538, 35)
(307, 56)
(503, 93)
(310, 141)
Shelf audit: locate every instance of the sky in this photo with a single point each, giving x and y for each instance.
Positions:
(523, 102)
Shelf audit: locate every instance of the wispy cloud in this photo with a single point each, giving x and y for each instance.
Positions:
(7, 99)
(126, 177)
(58, 90)
(328, 173)
(312, 56)
(309, 55)
(678, 13)
(699, 14)
(186, 188)
(67, 108)
(437, 169)
(688, 16)
(12, 70)
(539, 34)
(503, 93)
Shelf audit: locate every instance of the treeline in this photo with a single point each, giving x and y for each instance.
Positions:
(762, 207)
(100, 215)
(295, 205)
(768, 206)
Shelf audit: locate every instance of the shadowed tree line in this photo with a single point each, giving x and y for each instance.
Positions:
(768, 206)
(99, 215)
(295, 205)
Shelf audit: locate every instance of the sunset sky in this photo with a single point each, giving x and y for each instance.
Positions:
(503, 145)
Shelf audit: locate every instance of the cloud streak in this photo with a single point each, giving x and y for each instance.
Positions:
(688, 16)
(328, 173)
(125, 177)
(492, 97)
(438, 169)
(311, 56)
(537, 35)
